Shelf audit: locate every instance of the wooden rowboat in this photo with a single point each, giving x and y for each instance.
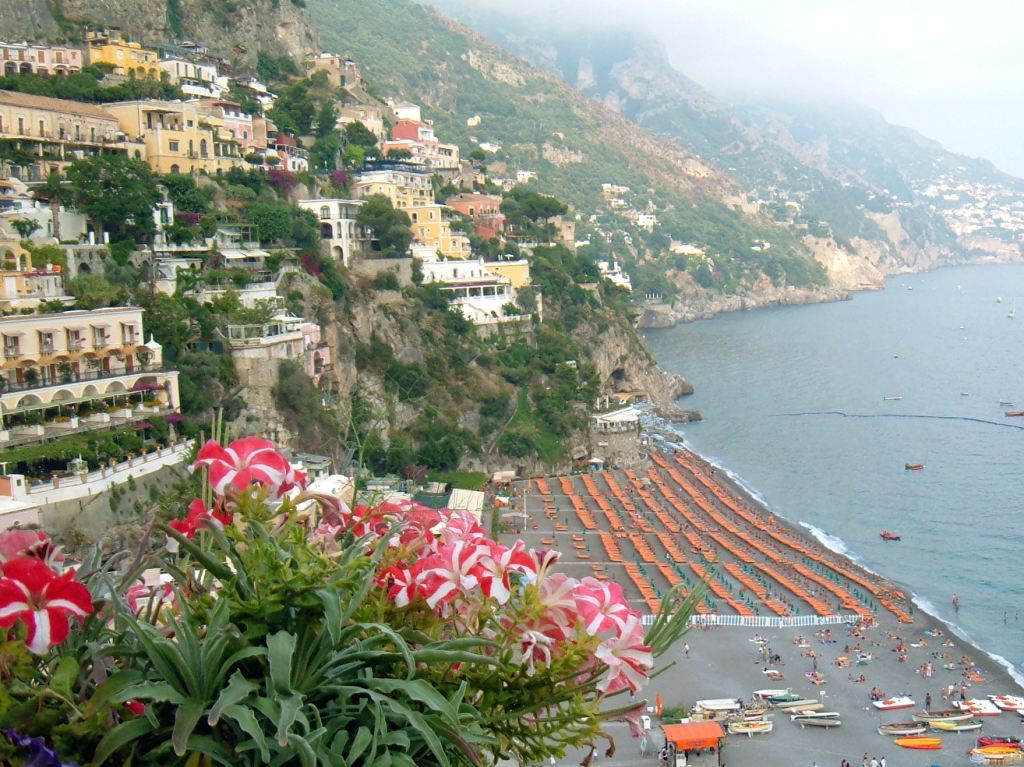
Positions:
(810, 721)
(903, 728)
(949, 714)
(966, 725)
(750, 728)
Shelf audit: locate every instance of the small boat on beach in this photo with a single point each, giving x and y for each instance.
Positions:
(1005, 403)
(783, 697)
(914, 466)
(798, 703)
(894, 704)
(920, 743)
(903, 728)
(750, 728)
(718, 704)
(1007, 702)
(945, 713)
(978, 707)
(996, 751)
(965, 725)
(888, 535)
(805, 709)
(998, 740)
(815, 715)
(768, 694)
(810, 721)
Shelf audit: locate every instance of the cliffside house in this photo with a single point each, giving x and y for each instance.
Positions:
(342, 238)
(283, 338)
(77, 370)
(32, 58)
(126, 58)
(483, 296)
(484, 209)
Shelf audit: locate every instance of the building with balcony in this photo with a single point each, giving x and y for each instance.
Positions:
(128, 59)
(49, 133)
(283, 338)
(419, 140)
(432, 226)
(483, 297)
(79, 369)
(248, 130)
(341, 236)
(25, 286)
(177, 137)
(29, 58)
(370, 115)
(615, 274)
(181, 71)
(484, 209)
(405, 184)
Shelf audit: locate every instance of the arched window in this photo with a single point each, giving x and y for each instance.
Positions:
(202, 148)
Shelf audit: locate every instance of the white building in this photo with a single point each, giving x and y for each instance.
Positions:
(405, 110)
(481, 295)
(614, 273)
(341, 236)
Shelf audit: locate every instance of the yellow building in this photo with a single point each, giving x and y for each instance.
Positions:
(178, 139)
(517, 272)
(405, 188)
(126, 58)
(431, 227)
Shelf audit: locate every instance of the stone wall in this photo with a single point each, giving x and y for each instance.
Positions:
(371, 267)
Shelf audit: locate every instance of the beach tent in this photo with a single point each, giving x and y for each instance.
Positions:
(695, 736)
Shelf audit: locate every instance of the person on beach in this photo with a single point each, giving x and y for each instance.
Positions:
(956, 603)
(927, 700)
(686, 650)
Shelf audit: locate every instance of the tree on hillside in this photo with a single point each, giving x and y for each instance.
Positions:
(390, 227)
(117, 193)
(326, 119)
(357, 134)
(56, 192)
(295, 110)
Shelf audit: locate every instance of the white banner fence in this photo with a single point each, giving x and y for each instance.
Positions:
(765, 621)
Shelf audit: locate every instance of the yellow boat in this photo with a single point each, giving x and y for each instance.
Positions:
(920, 743)
(955, 725)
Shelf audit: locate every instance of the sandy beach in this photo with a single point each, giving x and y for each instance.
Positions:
(726, 661)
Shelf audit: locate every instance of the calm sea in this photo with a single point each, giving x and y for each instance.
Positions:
(793, 403)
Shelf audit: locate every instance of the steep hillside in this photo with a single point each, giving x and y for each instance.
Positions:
(235, 30)
(574, 143)
(877, 191)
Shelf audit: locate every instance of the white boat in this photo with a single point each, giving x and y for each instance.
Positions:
(816, 715)
(892, 704)
(893, 397)
(805, 709)
(718, 704)
(805, 721)
(978, 707)
(801, 703)
(1007, 702)
(1013, 309)
(765, 694)
(750, 728)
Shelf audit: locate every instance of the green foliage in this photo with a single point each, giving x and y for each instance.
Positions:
(185, 193)
(25, 227)
(204, 382)
(295, 109)
(357, 134)
(86, 86)
(386, 281)
(116, 192)
(299, 402)
(273, 69)
(92, 291)
(95, 448)
(390, 227)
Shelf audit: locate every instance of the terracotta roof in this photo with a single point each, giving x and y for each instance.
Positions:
(31, 101)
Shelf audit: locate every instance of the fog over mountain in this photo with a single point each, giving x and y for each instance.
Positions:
(953, 71)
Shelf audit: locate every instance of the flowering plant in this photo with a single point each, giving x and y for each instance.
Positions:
(290, 629)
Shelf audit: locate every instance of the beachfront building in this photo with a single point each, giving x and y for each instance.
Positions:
(44, 134)
(341, 236)
(177, 137)
(31, 58)
(128, 59)
(69, 371)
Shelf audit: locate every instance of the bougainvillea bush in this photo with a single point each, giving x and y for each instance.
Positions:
(288, 629)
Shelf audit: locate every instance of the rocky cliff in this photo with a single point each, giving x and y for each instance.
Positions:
(234, 30)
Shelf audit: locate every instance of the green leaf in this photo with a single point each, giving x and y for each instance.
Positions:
(158, 692)
(418, 690)
(65, 675)
(281, 648)
(237, 690)
(106, 691)
(185, 720)
(332, 614)
(119, 737)
(359, 744)
(289, 711)
(247, 722)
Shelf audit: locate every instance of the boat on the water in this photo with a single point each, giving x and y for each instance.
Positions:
(914, 466)
(894, 704)
(903, 728)
(750, 728)
(945, 713)
(1014, 413)
(920, 743)
(965, 725)
(893, 397)
(889, 535)
(810, 721)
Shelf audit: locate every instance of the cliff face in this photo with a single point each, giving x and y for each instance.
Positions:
(234, 30)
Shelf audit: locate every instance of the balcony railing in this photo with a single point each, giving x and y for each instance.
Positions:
(12, 352)
(88, 375)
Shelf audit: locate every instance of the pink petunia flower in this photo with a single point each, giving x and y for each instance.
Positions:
(602, 606)
(198, 517)
(629, 660)
(497, 564)
(248, 461)
(450, 572)
(28, 543)
(33, 593)
(557, 594)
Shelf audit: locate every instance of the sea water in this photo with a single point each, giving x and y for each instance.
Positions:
(793, 400)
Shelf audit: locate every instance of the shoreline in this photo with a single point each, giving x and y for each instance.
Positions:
(737, 485)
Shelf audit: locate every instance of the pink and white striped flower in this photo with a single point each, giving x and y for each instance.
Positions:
(496, 567)
(28, 543)
(245, 462)
(557, 594)
(33, 593)
(628, 659)
(401, 585)
(450, 572)
(602, 606)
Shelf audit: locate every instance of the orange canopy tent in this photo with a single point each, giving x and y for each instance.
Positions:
(693, 735)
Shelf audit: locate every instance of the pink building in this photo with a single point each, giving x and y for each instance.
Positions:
(484, 209)
(26, 58)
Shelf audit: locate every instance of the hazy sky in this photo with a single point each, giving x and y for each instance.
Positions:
(952, 70)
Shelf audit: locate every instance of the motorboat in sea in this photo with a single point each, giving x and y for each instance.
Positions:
(1014, 413)
(903, 728)
(914, 466)
(893, 398)
(966, 725)
(894, 704)
(946, 713)
(889, 535)
(750, 728)
(920, 743)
